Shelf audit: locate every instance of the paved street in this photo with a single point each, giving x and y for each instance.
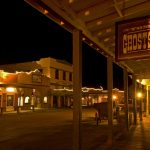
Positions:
(49, 130)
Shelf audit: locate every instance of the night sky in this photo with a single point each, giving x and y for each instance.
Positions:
(28, 35)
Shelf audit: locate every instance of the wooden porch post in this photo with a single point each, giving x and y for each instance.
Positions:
(77, 89)
(147, 101)
(125, 75)
(134, 98)
(110, 103)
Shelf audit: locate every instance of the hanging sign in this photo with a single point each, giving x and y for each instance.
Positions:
(133, 39)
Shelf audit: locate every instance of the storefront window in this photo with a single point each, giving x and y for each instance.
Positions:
(20, 101)
(27, 99)
(45, 99)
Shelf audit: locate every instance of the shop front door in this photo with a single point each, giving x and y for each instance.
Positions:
(10, 103)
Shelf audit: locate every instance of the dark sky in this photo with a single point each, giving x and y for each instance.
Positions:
(28, 35)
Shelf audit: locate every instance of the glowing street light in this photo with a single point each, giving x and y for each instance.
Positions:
(139, 95)
(114, 97)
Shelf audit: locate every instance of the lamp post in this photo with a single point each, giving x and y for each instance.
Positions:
(115, 107)
(139, 95)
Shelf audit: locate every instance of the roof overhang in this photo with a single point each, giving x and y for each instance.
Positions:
(96, 19)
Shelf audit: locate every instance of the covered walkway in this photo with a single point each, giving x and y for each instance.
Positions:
(99, 23)
(138, 138)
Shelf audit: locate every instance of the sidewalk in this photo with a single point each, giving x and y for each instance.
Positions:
(137, 139)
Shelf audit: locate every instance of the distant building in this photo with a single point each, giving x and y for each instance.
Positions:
(61, 80)
(24, 89)
(46, 83)
(38, 84)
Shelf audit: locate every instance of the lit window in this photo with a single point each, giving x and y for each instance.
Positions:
(27, 99)
(45, 99)
(20, 101)
(10, 89)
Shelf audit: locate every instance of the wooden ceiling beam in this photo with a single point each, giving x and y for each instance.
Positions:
(105, 31)
(117, 8)
(106, 35)
(88, 23)
(93, 5)
(97, 11)
(139, 10)
(143, 76)
(100, 8)
(76, 22)
(102, 21)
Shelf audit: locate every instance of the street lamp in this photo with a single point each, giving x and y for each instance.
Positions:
(114, 97)
(139, 95)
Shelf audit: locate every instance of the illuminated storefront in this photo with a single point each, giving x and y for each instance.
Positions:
(23, 89)
(49, 88)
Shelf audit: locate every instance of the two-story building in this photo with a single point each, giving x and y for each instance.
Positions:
(61, 79)
(45, 83)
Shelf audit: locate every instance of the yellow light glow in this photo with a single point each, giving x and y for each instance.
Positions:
(114, 97)
(62, 23)
(45, 99)
(87, 13)
(83, 38)
(99, 23)
(27, 99)
(139, 94)
(45, 11)
(106, 39)
(10, 89)
(71, 1)
(108, 30)
(99, 33)
(143, 82)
